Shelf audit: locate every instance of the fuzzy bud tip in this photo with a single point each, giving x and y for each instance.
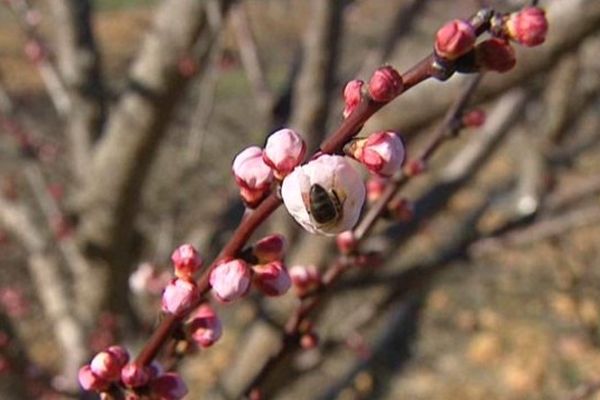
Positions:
(454, 39)
(385, 84)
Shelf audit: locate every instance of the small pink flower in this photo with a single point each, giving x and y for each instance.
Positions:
(186, 261)
(134, 375)
(284, 151)
(168, 386)
(89, 381)
(204, 326)
(346, 242)
(230, 280)
(495, 55)
(272, 279)
(305, 278)
(179, 296)
(385, 84)
(270, 248)
(337, 180)
(107, 366)
(352, 96)
(252, 174)
(528, 26)
(382, 153)
(454, 39)
(474, 118)
(120, 353)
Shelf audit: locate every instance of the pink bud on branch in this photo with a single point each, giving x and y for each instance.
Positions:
(253, 175)
(168, 386)
(134, 375)
(495, 55)
(352, 96)
(272, 279)
(454, 39)
(179, 296)
(305, 278)
(90, 381)
(346, 242)
(230, 280)
(474, 118)
(382, 153)
(385, 84)
(186, 261)
(204, 326)
(269, 248)
(106, 366)
(284, 151)
(528, 26)
(375, 187)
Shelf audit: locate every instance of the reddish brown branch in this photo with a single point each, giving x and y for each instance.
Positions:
(425, 69)
(291, 334)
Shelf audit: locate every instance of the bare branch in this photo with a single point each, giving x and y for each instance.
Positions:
(312, 97)
(50, 285)
(571, 21)
(123, 156)
(39, 55)
(255, 70)
(79, 64)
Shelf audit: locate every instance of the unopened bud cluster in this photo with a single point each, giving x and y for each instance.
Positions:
(255, 169)
(111, 368)
(231, 278)
(456, 41)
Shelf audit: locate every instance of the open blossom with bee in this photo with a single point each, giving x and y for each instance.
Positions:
(325, 195)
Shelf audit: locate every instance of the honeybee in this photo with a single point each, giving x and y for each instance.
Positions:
(324, 208)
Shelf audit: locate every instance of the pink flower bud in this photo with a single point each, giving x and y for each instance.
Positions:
(270, 248)
(35, 51)
(106, 365)
(230, 280)
(250, 170)
(252, 198)
(186, 261)
(89, 381)
(414, 167)
(309, 341)
(121, 355)
(375, 187)
(474, 118)
(179, 296)
(272, 279)
(134, 375)
(352, 96)
(169, 386)
(204, 326)
(305, 277)
(382, 153)
(284, 151)
(385, 84)
(495, 55)
(346, 242)
(528, 26)
(454, 39)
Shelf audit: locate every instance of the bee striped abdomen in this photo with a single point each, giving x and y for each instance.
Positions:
(324, 207)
